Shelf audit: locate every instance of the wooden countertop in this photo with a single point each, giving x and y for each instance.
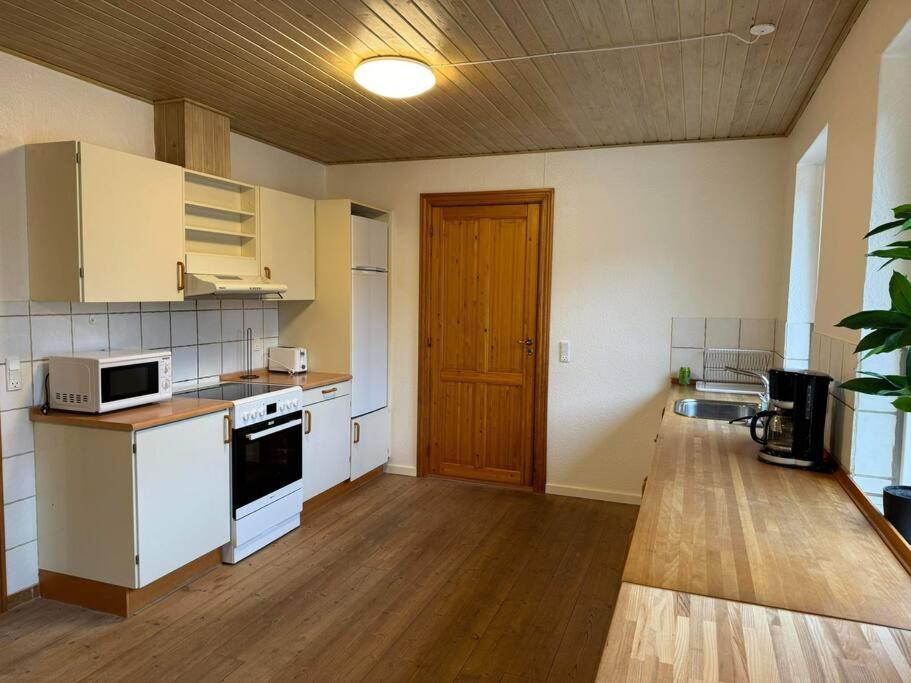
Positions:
(662, 635)
(716, 521)
(134, 419)
(304, 380)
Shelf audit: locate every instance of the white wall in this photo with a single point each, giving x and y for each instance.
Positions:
(38, 105)
(640, 235)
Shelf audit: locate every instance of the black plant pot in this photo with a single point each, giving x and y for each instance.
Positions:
(897, 508)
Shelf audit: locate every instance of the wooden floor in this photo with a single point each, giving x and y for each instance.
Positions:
(420, 579)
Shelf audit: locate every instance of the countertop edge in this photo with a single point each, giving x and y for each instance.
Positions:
(312, 379)
(120, 421)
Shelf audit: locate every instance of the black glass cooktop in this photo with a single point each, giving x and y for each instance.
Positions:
(232, 391)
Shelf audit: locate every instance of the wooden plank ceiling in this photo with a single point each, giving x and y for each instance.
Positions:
(282, 68)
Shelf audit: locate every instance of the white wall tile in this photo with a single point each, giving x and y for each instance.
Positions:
(232, 304)
(51, 335)
(49, 307)
(232, 357)
(269, 343)
(842, 434)
(875, 443)
(757, 333)
(208, 304)
(183, 363)
(16, 399)
(22, 567)
(15, 338)
(780, 330)
(90, 332)
(209, 325)
(16, 432)
(253, 303)
(20, 522)
(152, 306)
(720, 333)
(187, 305)
(126, 330)
(815, 340)
(18, 477)
(825, 351)
(13, 307)
(836, 357)
(89, 308)
(156, 330)
(209, 360)
(270, 303)
(232, 325)
(183, 328)
(253, 319)
(270, 322)
(694, 359)
(688, 333)
(123, 307)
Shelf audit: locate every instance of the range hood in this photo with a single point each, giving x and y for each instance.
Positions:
(232, 285)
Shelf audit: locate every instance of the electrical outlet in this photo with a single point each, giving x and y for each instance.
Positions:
(565, 352)
(13, 375)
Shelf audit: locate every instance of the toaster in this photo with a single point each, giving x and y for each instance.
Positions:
(290, 359)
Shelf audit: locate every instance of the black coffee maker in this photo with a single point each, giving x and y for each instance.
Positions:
(792, 430)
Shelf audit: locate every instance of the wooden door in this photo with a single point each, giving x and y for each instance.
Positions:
(287, 229)
(132, 226)
(483, 318)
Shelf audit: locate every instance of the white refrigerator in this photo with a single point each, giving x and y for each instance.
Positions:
(369, 292)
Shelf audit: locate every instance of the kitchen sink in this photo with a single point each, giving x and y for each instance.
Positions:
(714, 410)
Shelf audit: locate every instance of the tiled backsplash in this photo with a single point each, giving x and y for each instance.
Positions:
(691, 336)
(205, 337)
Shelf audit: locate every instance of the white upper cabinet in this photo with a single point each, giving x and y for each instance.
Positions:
(103, 225)
(369, 248)
(288, 242)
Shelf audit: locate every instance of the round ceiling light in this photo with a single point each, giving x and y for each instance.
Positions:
(396, 77)
(760, 30)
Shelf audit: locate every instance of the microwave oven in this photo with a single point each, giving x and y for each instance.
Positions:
(108, 380)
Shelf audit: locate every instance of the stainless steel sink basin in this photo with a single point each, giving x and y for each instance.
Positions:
(714, 410)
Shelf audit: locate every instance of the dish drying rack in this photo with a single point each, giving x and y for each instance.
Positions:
(716, 360)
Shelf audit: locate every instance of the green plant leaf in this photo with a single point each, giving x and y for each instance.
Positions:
(873, 340)
(871, 385)
(885, 226)
(900, 243)
(903, 211)
(900, 293)
(903, 253)
(874, 320)
(903, 404)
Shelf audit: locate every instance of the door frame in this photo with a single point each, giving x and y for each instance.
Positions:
(545, 199)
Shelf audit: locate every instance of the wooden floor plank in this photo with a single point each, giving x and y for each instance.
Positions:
(401, 579)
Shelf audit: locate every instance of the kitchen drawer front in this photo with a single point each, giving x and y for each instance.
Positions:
(312, 396)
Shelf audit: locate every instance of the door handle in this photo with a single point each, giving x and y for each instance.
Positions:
(528, 344)
(229, 429)
(273, 430)
(330, 391)
(357, 432)
(181, 276)
(308, 422)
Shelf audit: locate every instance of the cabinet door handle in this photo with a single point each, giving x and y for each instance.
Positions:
(181, 276)
(268, 272)
(330, 391)
(308, 422)
(229, 429)
(357, 432)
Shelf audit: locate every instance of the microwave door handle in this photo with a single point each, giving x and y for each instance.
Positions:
(272, 430)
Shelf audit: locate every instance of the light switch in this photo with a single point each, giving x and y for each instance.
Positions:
(565, 352)
(13, 374)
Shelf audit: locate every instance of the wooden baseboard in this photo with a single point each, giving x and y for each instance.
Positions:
(339, 489)
(123, 602)
(894, 540)
(21, 597)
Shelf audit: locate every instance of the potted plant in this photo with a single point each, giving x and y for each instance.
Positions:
(889, 331)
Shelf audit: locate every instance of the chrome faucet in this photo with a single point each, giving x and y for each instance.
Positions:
(764, 397)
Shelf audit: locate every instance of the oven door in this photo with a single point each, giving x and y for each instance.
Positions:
(266, 462)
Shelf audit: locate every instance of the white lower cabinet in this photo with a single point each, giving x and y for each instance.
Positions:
(327, 450)
(369, 442)
(127, 508)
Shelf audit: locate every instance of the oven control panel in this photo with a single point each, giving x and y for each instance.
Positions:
(265, 407)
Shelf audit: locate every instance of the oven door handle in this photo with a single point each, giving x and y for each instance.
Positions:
(253, 436)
